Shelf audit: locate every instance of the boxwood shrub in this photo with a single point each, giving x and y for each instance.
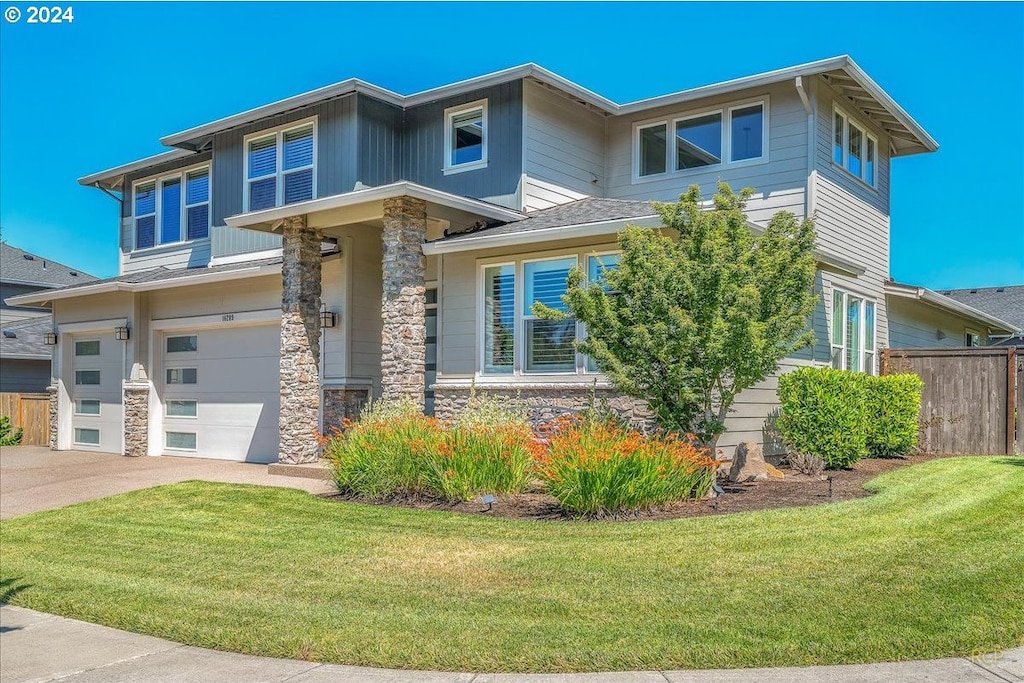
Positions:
(894, 402)
(842, 416)
(824, 413)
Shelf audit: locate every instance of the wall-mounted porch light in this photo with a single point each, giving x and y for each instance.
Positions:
(122, 333)
(50, 338)
(328, 318)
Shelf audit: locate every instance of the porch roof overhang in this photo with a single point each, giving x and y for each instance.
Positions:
(948, 304)
(365, 205)
(173, 279)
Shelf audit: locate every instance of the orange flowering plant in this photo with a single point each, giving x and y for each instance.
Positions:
(596, 467)
(394, 449)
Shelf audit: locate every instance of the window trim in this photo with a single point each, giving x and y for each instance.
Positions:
(168, 432)
(182, 383)
(76, 430)
(278, 133)
(448, 168)
(182, 175)
(726, 111)
(518, 262)
(89, 384)
(77, 401)
(969, 331)
(167, 414)
(98, 340)
(867, 135)
(170, 336)
(862, 330)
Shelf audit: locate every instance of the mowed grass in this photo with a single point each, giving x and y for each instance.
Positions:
(931, 566)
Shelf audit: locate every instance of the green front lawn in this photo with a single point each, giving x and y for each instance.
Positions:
(929, 567)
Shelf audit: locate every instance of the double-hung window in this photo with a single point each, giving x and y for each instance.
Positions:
(730, 135)
(517, 341)
(172, 208)
(853, 332)
(465, 137)
(853, 148)
(280, 167)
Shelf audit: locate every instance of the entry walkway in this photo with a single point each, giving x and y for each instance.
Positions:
(41, 647)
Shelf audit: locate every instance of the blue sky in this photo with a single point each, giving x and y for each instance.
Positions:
(81, 97)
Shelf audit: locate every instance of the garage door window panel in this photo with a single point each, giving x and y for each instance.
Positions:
(87, 437)
(180, 441)
(182, 408)
(89, 347)
(182, 376)
(87, 377)
(183, 344)
(87, 406)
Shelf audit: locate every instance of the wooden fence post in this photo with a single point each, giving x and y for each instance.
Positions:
(1019, 363)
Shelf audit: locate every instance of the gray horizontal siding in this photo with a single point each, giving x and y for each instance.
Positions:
(225, 241)
(423, 146)
(915, 325)
(336, 160)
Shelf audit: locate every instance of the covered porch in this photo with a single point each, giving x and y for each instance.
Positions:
(379, 232)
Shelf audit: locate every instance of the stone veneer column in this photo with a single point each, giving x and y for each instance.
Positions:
(53, 390)
(300, 343)
(136, 418)
(403, 353)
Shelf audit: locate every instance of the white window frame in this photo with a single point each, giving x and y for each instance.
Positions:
(968, 333)
(168, 400)
(87, 355)
(726, 112)
(168, 337)
(278, 134)
(862, 331)
(168, 432)
(99, 437)
(91, 384)
(518, 262)
(867, 135)
(449, 115)
(182, 383)
(182, 175)
(78, 401)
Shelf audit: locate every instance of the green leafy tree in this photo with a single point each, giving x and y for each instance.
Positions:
(9, 436)
(688, 323)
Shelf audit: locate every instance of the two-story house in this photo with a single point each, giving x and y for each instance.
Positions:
(281, 265)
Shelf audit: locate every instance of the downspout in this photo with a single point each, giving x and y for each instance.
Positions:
(812, 181)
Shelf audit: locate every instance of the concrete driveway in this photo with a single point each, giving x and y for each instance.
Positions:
(34, 478)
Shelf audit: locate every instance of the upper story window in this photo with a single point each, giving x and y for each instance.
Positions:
(972, 337)
(280, 166)
(517, 342)
(172, 208)
(732, 135)
(465, 137)
(853, 332)
(853, 148)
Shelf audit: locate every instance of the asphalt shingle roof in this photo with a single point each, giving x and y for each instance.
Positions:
(25, 337)
(160, 274)
(1005, 303)
(22, 266)
(588, 210)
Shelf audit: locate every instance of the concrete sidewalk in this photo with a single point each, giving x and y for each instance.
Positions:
(41, 647)
(34, 478)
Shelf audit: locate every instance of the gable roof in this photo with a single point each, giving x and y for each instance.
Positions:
(1006, 303)
(21, 267)
(952, 305)
(23, 339)
(841, 72)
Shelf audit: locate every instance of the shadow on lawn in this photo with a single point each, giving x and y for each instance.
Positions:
(8, 589)
(1017, 460)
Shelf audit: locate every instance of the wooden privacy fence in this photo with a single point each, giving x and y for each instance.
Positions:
(31, 412)
(970, 397)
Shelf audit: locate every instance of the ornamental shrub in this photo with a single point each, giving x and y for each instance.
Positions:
(393, 449)
(594, 467)
(893, 406)
(824, 414)
(9, 436)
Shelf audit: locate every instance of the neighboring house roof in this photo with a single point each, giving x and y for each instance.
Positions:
(23, 339)
(908, 137)
(1006, 303)
(21, 267)
(952, 305)
(157, 278)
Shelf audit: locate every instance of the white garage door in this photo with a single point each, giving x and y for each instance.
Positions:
(221, 393)
(96, 423)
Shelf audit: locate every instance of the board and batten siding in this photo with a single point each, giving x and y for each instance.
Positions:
(563, 159)
(380, 142)
(422, 158)
(851, 218)
(916, 325)
(779, 183)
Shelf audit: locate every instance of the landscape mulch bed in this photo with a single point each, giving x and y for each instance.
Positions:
(794, 490)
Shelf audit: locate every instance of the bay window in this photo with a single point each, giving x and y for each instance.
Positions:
(853, 332)
(853, 148)
(173, 208)
(280, 167)
(515, 341)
